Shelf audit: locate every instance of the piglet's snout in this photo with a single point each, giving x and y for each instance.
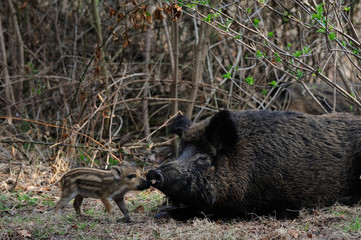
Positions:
(144, 184)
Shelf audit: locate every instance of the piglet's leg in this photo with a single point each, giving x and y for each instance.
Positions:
(121, 204)
(77, 203)
(65, 198)
(109, 208)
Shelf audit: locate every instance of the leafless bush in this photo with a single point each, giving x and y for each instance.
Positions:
(116, 70)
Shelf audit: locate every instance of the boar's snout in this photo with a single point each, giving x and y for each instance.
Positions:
(155, 178)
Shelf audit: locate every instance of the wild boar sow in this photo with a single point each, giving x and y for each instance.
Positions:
(263, 162)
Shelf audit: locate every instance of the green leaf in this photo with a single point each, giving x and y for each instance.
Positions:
(299, 74)
(297, 54)
(249, 80)
(332, 36)
(319, 12)
(271, 34)
(306, 50)
(227, 75)
(259, 54)
(321, 30)
(208, 18)
(256, 21)
(278, 59)
(289, 45)
(273, 83)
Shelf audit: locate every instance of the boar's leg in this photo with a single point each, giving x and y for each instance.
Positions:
(121, 204)
(179, 213)
(65, 198)
(77, 204)
(109, 209)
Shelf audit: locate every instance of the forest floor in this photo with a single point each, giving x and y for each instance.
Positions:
(24, 214)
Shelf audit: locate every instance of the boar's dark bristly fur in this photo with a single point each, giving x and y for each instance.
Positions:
(222, 131)
(263, 162)
(179, 125)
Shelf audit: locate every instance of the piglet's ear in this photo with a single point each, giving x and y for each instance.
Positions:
(222, 131)
(179, 125)
(116, 170)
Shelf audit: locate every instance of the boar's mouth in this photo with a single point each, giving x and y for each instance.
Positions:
(180, 193)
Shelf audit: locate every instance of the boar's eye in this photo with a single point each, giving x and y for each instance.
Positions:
(202, 160)
(131, 176)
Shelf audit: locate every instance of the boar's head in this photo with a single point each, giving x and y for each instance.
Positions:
(192, 179)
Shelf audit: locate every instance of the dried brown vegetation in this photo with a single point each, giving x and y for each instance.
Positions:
(116, 71)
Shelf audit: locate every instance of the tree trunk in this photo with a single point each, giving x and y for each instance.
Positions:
(8, 90)
(146, 85)
(174, 48)
(198, 65)
(101, 64)
(20, 62)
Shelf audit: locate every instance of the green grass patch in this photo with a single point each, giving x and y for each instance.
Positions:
(354, 225)
(145, 200)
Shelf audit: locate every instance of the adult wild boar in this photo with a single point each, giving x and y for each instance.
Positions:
(295, 98)
(263, 162)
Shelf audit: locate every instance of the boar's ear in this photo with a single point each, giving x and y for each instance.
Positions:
(222, 131)
(116, 170)
(179, 125)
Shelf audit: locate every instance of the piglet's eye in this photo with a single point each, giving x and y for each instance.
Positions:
(131, 176)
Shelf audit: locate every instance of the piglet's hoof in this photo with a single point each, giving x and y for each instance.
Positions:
(125, 220)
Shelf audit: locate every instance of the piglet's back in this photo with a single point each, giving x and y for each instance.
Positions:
(87, 179)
